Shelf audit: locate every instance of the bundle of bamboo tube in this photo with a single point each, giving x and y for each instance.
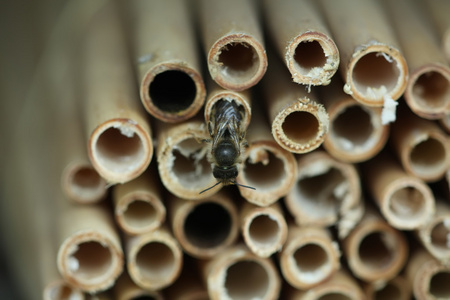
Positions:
(332, 118)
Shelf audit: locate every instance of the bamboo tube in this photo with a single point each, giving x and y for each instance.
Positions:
(303, 40)
(165, 51)
(154, 259)
(437, 10)
(421, 146)
(356, 130)
(309, 257)
(264, 229)
(126, 289)
(398, 288)
(267, 167)
(339, 286)
(375, 251)
(183, 165)
(120, 146)
(405, 201)
(60, 290)
(99, 296)
(138, 206)
(237, 273)
(372, 65)
(234, 43)
(299, 122)
(445, 122)
(428, 278)
(205, 227)
(325, 190)
(428, 90)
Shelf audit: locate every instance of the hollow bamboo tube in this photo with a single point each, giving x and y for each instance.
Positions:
(437, 11)
(445, 122)
(237, 273)
(154, 259)
(405, 201)
(183, 164)
(372, 65)
(126, 289)
(165, 51)
(428, 90)
(340, 286)
(398, 288)
(90, 255)
(325, 190)
(299, 123)
(120, 146)
(303, 40)
(138, 206)
(234, 43)
(267, 167)
(309, 256)
(205, 227)
(264, 229)
(428, 278)
(375, 251)
(356, 130)
(421, 146)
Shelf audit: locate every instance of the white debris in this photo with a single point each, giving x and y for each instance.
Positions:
(388, 114)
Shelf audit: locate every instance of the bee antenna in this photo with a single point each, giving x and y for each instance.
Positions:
(218, 182)
(246, 186)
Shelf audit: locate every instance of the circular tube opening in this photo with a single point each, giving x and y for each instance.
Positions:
(62, 291)
(86, 183)
(374, 70)
(427, 157)
(352, 127)
(431, 90)
(119, 151)
(374, 251)
(172, 91)
(440, 235)
(246, 280)
(264, 230)
(145, 297)
(308, 55)
(313, 262)
(300, 127)
(90, 261)
(388, 292)
(238, 61)
(407, 203)
(267, 173)
(140, 214)
(334, 296)
(155, 261)
(208, 225)
(439, 286)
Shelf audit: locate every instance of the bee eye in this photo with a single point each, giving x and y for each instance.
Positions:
(225, 154)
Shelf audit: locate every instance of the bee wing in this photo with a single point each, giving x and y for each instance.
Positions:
(235, 134)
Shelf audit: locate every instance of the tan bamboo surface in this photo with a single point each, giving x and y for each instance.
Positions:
(340, 286)
(233, 42)
(357, 132)
(437, 11)
(405, 201)
(303, 40)
(120, 146)
(290, 107)
(266, 166)
(126, 289)
(397, 288)
(206, 227)
(375, 251)
(325, 190)
(138, 204)
(445, 122)
(309, 257)
(372, 65)
(264, 229)
(428, 90)
(154, 259)
(182, 159)
(422, 147)
(237, 273)
(167, 58)
(428, 277)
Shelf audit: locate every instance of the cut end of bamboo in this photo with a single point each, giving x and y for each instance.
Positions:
(83, 184)
(90, 261)
(312, 58)
(376, 72)
(60, 290)
(397, 288)
(237, 62)
(172, 92)
(301, 127)
(120, 150)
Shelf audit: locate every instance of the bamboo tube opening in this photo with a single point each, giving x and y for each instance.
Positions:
(353, 127)
(267, 173)
(389, 291)
(155, 262)
(91, 262)
(85, 185)
(208, 225)
(312, 262)
(334, 296)
(60, 290)
(145, 297)
(440, 235)
(172, 91)
(408, 203)
(431, 90)
(238, 61)
(247, 279)
(264, 230)
(428, 157)
(301, 127)
(308, 55)
(439, 287)
(140, 214)
(376, 250)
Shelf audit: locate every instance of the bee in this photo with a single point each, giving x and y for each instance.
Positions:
(227, 142)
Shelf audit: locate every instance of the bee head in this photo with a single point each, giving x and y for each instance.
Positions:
(225, 174)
